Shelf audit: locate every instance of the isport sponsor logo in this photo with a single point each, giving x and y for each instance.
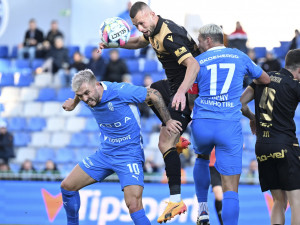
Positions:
(117, 140)
(111, 209)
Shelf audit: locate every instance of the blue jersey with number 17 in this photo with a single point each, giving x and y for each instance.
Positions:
(220, 83)
(118, 119)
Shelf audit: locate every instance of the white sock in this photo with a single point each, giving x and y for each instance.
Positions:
(175, 198)
(202, 207)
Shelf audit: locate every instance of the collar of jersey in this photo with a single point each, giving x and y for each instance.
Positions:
(286, 72)
(104, 91)
(216, 48)
(158, 26)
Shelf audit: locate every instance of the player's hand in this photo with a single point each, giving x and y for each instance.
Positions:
(253, 126)
(173, 126)
(101, 47)
(179, 100)
(69, 105)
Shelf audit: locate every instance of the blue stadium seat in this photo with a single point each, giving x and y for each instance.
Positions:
(23, 79)
(260, 52)
(84, 111)
(137, 79)
(44, 154)
(84, 152)
(91, 125)
(133, 65)
(279, 52)
(36, 124)
(14, 52)
(78, 140)
(17, 124)
(6, 79)
(5, 65)
(1, 105)
(88, 51)
(65, 155)
(22, 63)
(150, 66)
(37, 63)
(72, 49)
(47, 94)
(94, 140)
(64, 93)
(21, 139)
(158, 76)
(285, 45)
(3, 51)
(105, 54)
(126, 53)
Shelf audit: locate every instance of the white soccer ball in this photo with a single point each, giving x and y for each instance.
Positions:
(114, 32)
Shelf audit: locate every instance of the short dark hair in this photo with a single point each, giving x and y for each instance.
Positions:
(136, 7)
(292, 59)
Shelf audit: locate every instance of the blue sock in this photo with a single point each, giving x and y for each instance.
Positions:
(71, 201)
(201, 178)
(140, 218)
(230, 212)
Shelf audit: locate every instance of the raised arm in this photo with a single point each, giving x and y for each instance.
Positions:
(154, 97)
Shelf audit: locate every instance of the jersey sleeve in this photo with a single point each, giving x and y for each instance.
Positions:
(252, 85)
(131, 93)
(173, 44)
(253, 70)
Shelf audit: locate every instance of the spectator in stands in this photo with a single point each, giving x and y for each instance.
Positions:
(97, 64)
(66, 75)
(27, 170)
(6, 143)
(271, 63)
(5, 171)
(33, 38)
(238, 38)
(50, 170)
(251, 176)
(53, 33)
(57, 58)
(295, 43)
(116, 67)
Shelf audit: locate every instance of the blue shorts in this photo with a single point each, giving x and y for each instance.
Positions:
(226, 137)
(100, 165)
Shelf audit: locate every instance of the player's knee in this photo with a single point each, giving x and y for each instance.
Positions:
(134, 204)
(67, 186)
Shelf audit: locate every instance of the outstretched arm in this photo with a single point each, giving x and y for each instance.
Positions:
(71, 103)
(154, 97)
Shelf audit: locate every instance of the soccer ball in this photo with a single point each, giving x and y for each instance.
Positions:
(114, 32)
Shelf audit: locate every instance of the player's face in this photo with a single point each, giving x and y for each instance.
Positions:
(89, 93)
(144, 22)
(203, 44)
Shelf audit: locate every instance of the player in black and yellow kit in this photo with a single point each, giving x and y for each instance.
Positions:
(175, 49)
(277, 148)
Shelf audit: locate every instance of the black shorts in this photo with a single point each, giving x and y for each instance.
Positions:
(278, 166)
(215, 177)
(183, 116)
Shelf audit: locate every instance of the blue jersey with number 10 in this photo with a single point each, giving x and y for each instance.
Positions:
(220, 83)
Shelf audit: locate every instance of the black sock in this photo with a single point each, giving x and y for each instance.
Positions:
(173, 170)
(218, 206)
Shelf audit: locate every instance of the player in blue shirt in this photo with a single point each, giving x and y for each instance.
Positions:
(216, 118)
(114, 107)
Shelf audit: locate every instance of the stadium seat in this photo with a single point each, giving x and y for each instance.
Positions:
(43, 80)
(84, 111)
(14, 52)
(51, 109)
(94, 140)
(40, 139)
(55, 124)
(78, 140)
(10, 94)
(75, 124)
(32, 109)
(260, 52)
(105, 54)
(91, 125)
(44, 154)
(22, 63)
(37, 63)
(23, 79)
(137, 79)
(65, 155)
(17, 124)
(6, 79)
(46, 94)
(5, 65)
(83, 152)
(36, 124)
(72, 49)
(24, 153)
(28, 94)
(132, 65)
(3, 51)
(60, 139)
(72, 113)
(285, 45)
(12, 109)
(64, 93)
(88, 51)
(21, 139)
(158, 76)
(126, 53)
(150, 66)
(279, 52)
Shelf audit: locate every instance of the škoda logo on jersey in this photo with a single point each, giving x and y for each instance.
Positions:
(277, 155)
